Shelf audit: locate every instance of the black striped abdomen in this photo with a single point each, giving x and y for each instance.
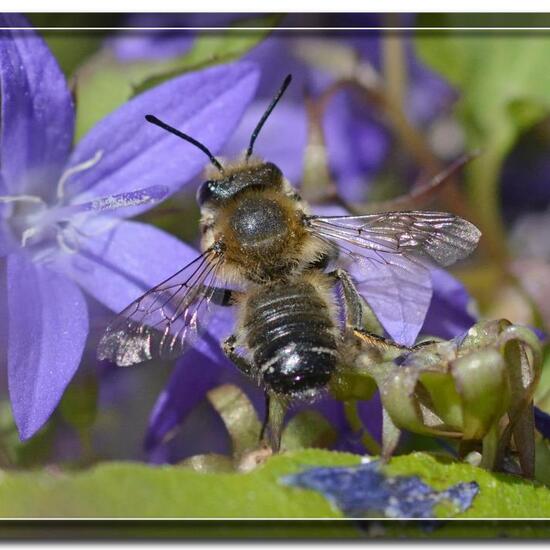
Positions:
(292, 338)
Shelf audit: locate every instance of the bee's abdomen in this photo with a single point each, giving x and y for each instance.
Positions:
(291, 334)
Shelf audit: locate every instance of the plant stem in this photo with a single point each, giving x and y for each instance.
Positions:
(393, 62)
(490, 448)
(356, 424)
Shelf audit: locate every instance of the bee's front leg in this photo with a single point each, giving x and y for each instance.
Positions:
(230, 350)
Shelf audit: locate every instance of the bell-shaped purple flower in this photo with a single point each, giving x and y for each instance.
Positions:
(63, 212)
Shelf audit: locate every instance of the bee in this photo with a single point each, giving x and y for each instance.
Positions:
(260, 238)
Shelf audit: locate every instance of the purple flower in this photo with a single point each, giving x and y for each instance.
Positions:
(159, 43)
(525, 179)
(450, 313)
(366, 490)
(63, 213)
(542, 422)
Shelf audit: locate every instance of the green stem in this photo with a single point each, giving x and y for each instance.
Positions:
(483, 180)
(354, 420)
(394, 62)
(490, 448)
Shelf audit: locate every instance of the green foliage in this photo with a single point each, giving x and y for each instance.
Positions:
(104, 83)
(504, 83)
(457, 390)
(78, 406)
(136, 490)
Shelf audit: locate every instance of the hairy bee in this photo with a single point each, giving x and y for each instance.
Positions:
(259, 235)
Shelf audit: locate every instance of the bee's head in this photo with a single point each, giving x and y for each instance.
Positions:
(234, 179)
(217, 191)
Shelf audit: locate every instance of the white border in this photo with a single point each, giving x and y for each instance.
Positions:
(238, 8)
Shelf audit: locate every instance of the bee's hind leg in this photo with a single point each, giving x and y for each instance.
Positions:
(357, 314)
(272, 428)
(353, 305)
(275, 406)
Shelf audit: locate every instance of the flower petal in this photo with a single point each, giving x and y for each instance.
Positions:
(542, 422)
(205, 104)
(194, 375)
(357, 146)
(366, 490)
(47, 330)
(37, 111)
(130, 199)
(448, 315)
(398, 290)
(120, 264)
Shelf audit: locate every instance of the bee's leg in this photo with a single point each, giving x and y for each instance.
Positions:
(274, 406)
(223, 296)
(379, 342)
(353, 306)
(230, 350)
(272, 427)
(356, 312)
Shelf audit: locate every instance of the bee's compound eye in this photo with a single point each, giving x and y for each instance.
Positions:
(206, 192)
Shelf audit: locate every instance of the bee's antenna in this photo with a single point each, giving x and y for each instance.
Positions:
(274, 102)
(154, 120)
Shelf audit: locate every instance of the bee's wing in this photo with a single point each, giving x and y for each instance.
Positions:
(385, 249)
(166, 319)
(441, 236)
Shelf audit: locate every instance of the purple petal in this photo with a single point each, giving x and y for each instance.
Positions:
(366, 490)
(119, 265)
(150, 195)
(130, 45)
(7, 240)
(162, 43)
(448, 315)
(397, 289)
(194, 375)
(37, 111)
(48, 326)
(525, 190)
(206, 104)
(357, 146)
(429, 95)
(542, 422)
(202, 368)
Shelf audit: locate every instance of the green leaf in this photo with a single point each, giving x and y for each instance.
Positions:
(239, 416)
(104, 84)
(504, 86)
(121, 489)
(72, 47)
(78, 406)
(308, 429)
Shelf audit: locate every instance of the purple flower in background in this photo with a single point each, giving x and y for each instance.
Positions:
(450, 312)
(358, 143)
(63, 213)
(162, 43)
